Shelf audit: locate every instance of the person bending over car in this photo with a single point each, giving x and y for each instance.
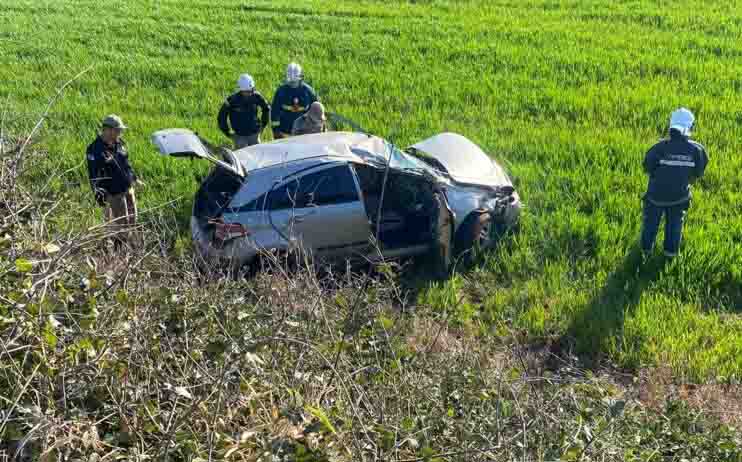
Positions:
(313, 121)
(112, 177)
(672, 164)
(240, 110)
(292, 99)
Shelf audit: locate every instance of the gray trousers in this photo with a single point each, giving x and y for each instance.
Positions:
(242, 141)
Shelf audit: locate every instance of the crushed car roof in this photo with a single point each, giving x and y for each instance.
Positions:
(330, 144)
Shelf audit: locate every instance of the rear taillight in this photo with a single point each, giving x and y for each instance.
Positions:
(224, 232)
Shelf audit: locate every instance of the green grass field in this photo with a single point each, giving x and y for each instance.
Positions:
(569, 94)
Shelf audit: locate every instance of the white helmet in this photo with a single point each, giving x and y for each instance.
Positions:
(246, 82)
(682, 120)
(294, 73)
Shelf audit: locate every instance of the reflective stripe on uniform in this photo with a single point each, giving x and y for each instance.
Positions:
(677, 163)
(286, 107)
(275, 123)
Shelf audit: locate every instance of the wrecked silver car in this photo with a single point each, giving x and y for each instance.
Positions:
(346, 195)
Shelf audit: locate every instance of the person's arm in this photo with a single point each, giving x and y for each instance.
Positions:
(296, 127)
(651, 159)
(222, 119)
(265, 111)
(126, 166)
(276, 112)
(702, 161)
(133, 174)
(93, 168)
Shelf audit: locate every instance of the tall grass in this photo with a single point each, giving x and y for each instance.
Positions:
(568, 94)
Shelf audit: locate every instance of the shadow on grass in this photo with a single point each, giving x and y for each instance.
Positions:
(601, 319)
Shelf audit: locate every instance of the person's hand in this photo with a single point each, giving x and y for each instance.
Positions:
(276, 135)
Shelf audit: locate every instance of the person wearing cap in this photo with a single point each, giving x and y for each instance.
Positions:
(111, 175)
(313, 121)
(240, 110)
(291, 100)
(672, 165)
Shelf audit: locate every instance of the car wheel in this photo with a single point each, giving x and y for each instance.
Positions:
(475, 232)
(483, 236)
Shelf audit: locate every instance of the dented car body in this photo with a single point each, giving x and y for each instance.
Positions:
(341, 195)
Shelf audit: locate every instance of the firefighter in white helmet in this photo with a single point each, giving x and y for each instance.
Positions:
(292, 99)
(240, 110)
(672, 164)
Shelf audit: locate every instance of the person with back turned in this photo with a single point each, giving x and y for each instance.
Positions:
(672, 165)
(313, 121)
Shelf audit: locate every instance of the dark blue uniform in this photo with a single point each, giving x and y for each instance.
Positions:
(672, 165)
(289, 104)
(109, 170)
(242, 114)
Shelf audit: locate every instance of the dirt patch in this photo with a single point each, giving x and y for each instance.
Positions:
(657, 386)
(430, 336)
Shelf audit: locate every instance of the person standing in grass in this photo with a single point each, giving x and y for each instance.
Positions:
(111, 176)
(672, 165)
(292, 99)
(240, 110)
(313, 121)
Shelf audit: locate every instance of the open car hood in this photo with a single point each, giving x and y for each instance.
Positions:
(464, 160)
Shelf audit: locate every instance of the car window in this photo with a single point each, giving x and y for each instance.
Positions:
(284, 197)
(398, 160)
(261, 203)
(330, 186)
(368, 156)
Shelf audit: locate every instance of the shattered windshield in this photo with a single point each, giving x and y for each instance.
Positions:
(403, 161)
(399, 160)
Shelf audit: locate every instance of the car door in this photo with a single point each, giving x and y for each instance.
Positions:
(321, 210)
(179, 142)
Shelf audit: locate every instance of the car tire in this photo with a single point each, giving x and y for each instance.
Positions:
(475, 232)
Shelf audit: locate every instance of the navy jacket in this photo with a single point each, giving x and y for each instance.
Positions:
(289, 103)
(242, 113)
(672, 164)
(108, 167)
